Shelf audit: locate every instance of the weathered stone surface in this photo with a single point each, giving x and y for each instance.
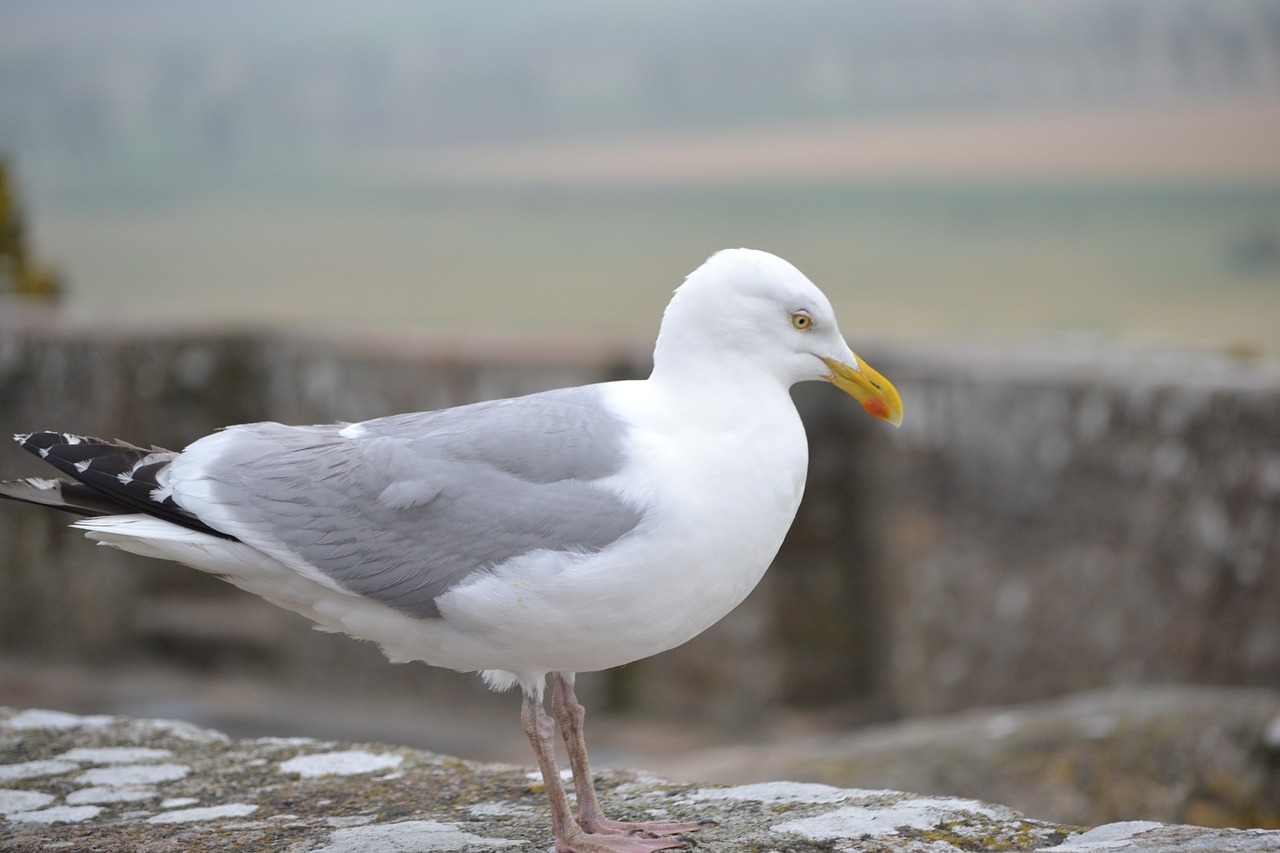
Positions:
(1061, 519)
(1208, 756)
(117, 784)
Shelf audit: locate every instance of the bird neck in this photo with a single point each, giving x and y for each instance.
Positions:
(708, 389)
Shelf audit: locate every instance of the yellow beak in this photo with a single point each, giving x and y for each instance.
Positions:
(876, 394)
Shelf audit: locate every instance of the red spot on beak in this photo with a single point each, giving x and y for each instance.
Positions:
(877, 408)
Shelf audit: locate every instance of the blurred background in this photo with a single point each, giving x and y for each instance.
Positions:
(980, 166)
(1055, 225)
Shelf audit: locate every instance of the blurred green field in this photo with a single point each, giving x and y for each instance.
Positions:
(1185, 263)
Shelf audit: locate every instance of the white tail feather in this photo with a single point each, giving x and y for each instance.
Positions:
(331, 608)
(235, 562)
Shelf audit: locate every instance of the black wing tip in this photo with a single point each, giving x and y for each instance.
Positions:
(46, 434)
(111, 477)
(37, 484)
(42, 441)
(58, 494)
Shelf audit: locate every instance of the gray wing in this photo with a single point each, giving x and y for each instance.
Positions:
(401, 509)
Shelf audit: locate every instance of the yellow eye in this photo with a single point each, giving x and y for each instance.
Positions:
(801, 321)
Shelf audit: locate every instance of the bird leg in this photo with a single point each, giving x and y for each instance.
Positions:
(570, 716)
(570, 836)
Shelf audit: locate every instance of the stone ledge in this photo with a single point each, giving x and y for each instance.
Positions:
(117, 784)
(1172, 753)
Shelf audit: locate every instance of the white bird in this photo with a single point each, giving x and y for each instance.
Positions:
(562, 532)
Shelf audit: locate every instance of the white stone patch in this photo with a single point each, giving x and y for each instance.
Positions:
(39, 719)
(345, 763)
(133, 774)
(1112, 836)
(285, 741)
(184, 731)
(786, 792)
(20, 801)
(500, 810)
(57, 814)
(177, 802)
(410, 836)
(879, 821)
(35, 769)
(115, 754)
(205, 813)
(111, 794)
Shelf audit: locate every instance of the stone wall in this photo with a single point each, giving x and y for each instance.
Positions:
(1049, 519)
(1065, 520)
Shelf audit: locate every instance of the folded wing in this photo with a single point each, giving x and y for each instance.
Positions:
(401, 509)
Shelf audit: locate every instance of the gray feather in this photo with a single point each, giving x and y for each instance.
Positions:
(417, 502)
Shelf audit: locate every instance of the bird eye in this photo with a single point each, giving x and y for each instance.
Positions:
(801, 321)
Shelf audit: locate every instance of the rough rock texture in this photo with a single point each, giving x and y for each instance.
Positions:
(1062, 519)
(117, 784)
(1174, 754)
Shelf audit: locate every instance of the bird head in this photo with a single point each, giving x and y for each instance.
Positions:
(754, 310)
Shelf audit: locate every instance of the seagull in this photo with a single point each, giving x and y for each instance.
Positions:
(526, 539)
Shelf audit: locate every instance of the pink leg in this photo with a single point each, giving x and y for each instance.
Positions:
(570, 837)
(570, 715)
